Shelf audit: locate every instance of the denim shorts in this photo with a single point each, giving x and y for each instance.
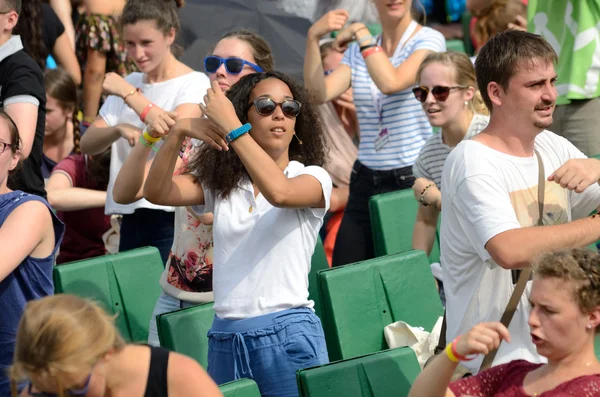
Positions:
(165, 304)
(269, 349)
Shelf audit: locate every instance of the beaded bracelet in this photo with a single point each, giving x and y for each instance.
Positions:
(422, 198)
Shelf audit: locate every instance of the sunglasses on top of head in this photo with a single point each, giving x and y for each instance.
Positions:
(439, 92)
(233, 65)
(265, 106)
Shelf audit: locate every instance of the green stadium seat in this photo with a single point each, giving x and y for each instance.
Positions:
(360, 299)
(597, 346)
(393, 217)
(184, 331)
(465, 21)
(240, 388)
(318, 262)
(388, 373)
(125, 284)
(456, 46)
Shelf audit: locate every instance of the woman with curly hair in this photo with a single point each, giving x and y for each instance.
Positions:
(260, 174)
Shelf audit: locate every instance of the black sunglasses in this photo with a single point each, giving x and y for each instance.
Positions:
(440, 93)
(233, 65)
(266, 106)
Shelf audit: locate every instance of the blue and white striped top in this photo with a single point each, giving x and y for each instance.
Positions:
(402, 114)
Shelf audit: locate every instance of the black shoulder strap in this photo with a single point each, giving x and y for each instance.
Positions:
(157, 385)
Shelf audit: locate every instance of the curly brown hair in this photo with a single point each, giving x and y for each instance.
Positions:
(223, 171)
(579, 265)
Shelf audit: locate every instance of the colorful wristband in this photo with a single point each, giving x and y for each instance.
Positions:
(450, 353)
(367, 37)
(371, 51)
(149, 137)
(145, 112)
(233, 135)
(148, 144)
(455, 352)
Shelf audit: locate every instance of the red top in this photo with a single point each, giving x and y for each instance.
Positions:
(84, 228)
(507, 381)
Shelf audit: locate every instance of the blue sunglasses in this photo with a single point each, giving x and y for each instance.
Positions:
(70, 392)
(232, 65)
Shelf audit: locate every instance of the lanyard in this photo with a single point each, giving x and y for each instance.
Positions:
(376, 95)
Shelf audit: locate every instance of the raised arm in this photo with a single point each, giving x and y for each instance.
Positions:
(387, 78)
(63, 10)
(325, 88)
(62, 196)
(303, 191)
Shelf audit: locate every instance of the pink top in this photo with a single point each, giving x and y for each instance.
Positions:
(507, 381)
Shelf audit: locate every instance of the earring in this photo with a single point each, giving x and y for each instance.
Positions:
(589, 326)
(299, 141)
(466, 103)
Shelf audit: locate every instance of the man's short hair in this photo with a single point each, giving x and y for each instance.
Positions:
(10, 5)
(499, 58)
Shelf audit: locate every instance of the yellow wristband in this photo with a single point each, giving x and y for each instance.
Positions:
(150, 138)
(450, 354)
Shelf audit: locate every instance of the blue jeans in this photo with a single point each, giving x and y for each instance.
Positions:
(165, 304)
(146, 227)
(269, 349)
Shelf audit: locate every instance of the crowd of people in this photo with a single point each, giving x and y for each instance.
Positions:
(229, 170)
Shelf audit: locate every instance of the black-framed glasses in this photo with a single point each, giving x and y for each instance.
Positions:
(265, 106)
(439, 92)
(233, 65)
(70, 392)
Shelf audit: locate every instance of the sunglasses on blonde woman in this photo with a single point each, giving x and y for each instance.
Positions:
(439, 92)
(68, 393)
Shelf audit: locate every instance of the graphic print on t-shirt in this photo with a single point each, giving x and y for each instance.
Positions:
(525, 204)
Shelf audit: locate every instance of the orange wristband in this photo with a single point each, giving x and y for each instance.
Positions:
(455, 353)
(371, 51)
(145, 112)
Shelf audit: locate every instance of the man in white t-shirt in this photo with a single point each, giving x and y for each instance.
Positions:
(490, 194)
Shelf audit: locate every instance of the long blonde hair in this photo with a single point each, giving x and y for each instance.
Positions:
(60, 335)
(464, 74)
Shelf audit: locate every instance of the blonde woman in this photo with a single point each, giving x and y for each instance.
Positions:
(68, 346)
(447, 90)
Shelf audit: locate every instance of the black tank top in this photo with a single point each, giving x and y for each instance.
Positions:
(157, 385)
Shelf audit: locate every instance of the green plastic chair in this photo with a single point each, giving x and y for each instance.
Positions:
(184, 331)
(393, 217)
(318, 262)
(465, 21)
(240, 388)
(383, 374)
(360, 299)
(125, 284)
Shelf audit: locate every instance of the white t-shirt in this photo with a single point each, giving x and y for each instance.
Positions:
(487, 192)
(189, 88)
(431, 160)
(262, 254)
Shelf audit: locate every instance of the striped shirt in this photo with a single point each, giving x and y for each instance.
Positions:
(431, 160)
(402, 115)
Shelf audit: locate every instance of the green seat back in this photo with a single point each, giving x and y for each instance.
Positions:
(184, 331)
(456, 46)
(465, 21)
(319, 262)
(597, 346)
(360, 299)
(125, 284)
(240, 388)
(383, 374)
(393, 217)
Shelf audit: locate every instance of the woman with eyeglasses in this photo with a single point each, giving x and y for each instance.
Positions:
(260, 173)
(393, 128)
(30, 235)
(164, 90)
(447, 90)
(187, 279)
(68, 346)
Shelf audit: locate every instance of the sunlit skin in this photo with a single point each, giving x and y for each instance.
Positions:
(147, 45)
(231, 47)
